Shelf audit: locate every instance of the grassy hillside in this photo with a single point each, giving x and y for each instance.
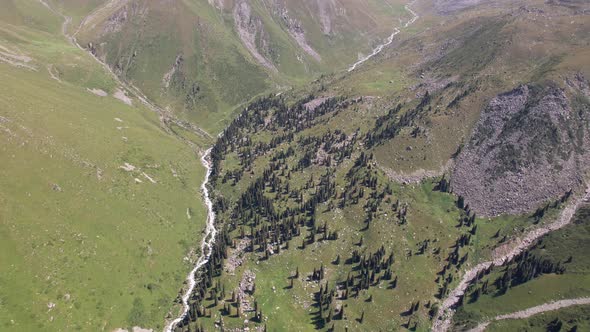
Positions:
(296, 196)
(203, 60)
(210, 74)
(333, 189)
(85, 244)
(569, 319)
(317, 187)
(566, 247)
(464, 59)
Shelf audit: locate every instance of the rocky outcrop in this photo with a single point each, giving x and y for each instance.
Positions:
(181, 84)
(219, 4)
(447, 7)
(529, 146)
(323, 11)
(15, 58)
(296, 30)
(175, 67)
(327, 10)
(127, 10)
(118, 16)
(251, 30)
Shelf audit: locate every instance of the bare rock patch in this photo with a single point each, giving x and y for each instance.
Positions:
(529, 146)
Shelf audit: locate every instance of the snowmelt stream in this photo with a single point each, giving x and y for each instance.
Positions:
(206, 244)
(211, 231)
(388, 41)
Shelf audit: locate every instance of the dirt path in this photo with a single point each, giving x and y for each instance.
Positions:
(388, 41)
(500, 256)
(551, 306)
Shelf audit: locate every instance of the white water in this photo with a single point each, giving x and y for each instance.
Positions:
(445, 314)
(210, 232)
(388, 41)
(206, 245)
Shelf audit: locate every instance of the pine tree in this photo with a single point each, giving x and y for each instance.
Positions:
(461, 202)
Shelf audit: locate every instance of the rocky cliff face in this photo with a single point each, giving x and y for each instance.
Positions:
(529, 146)
(253, 34)
(295, 29)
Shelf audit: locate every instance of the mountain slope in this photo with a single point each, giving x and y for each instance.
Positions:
(527, 148)
(472, 59)
(87, 240)
(523, 283)
(339, 204)
(203, 59)
(344, 200)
